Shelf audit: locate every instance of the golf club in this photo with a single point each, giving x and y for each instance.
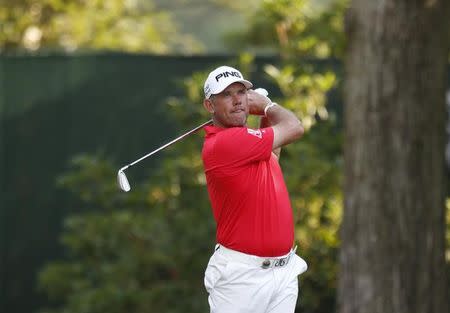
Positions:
(122, 178)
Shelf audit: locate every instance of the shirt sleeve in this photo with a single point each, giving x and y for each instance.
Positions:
(240, 145)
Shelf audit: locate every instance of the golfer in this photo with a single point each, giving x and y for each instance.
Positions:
(254, 268)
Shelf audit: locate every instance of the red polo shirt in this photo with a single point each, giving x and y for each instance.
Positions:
(249, 198)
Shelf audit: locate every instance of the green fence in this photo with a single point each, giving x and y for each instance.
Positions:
(55, 107)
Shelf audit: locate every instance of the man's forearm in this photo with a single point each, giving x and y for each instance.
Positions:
(263, 123)
(287, 127)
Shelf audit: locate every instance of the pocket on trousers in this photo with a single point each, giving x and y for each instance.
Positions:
(214, 271)
(300, 265)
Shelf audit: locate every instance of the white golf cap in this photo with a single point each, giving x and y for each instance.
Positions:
(221, 78)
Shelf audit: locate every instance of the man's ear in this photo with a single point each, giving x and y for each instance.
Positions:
(207, 103)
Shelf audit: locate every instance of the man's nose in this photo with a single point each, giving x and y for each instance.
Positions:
(237, 99)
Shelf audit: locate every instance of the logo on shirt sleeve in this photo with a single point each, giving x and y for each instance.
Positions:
(255, 132)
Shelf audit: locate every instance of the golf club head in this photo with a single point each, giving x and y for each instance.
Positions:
(123, 181)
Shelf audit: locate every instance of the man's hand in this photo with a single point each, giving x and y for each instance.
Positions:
(257, 102)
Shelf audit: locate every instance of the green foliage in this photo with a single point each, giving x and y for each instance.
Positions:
(297, 30)
(133, 26)
(144, 251)
(294, 28)
(312, 169)
(304, 90)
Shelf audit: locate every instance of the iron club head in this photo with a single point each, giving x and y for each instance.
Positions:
(122, 178)
(123, 181)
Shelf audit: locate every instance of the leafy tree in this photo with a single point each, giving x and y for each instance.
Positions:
(294, 28)
(133, 26)
(138, 252)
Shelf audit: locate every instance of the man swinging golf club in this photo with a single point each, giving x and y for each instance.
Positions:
(254, 268)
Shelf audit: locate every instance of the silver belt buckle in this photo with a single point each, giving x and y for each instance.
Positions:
(266, 264)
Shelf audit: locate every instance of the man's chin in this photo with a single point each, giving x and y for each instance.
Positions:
(235, 122)
(240, 123)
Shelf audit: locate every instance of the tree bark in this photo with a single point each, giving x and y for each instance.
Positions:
(392, 257)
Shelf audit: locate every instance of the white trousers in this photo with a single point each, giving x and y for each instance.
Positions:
(238, 283)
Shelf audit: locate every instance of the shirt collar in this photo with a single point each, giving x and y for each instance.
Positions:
(211, 129)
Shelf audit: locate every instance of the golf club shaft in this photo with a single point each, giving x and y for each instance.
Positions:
(168, 144)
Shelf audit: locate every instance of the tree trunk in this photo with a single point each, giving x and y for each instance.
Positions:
(392, 257)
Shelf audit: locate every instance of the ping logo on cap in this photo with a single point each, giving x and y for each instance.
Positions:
(226, 74)
(221, 78)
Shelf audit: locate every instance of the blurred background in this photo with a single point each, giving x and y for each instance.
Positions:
(87, 86)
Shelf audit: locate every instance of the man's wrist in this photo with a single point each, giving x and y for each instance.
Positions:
(268, 106)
